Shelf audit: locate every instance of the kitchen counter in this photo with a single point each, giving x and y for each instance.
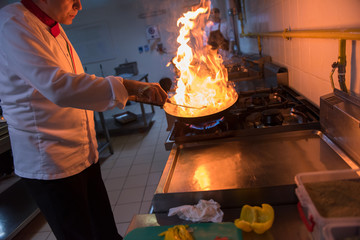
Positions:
(287, 223)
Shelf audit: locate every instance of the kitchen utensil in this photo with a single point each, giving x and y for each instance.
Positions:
(179, 105)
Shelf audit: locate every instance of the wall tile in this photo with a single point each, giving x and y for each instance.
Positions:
(294, 80)
(276, 17)
(348, 13)
(321, 87)
(295, 50)
(305, 57)
(323, 52)
(294, 14)
(304, 48)
(307, 85)
(288, 52)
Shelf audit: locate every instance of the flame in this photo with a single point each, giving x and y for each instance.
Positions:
(203, 80)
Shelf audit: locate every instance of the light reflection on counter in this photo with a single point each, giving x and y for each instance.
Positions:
(209, 172)
(201, 178)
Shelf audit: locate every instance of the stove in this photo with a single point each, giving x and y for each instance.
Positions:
(252, 153)
(255, 112)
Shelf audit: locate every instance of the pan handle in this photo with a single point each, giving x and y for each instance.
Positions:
(135, 99)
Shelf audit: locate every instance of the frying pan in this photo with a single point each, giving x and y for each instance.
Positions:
(200, 115)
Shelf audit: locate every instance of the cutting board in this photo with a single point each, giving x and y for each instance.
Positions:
(201, 231)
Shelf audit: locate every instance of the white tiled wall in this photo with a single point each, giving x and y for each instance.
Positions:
(308, 60)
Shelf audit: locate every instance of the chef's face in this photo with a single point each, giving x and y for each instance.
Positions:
(215, 15)
(63, 11)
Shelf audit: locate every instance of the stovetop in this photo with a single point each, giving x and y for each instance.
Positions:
(255, 112)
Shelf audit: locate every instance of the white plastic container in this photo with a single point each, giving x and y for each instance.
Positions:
(341, 231)
(315, 222)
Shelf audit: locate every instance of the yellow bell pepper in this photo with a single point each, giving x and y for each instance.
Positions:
(257, 219)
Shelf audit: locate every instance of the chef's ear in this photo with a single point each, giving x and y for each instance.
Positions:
(77, 5)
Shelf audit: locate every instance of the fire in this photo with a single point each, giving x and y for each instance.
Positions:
(202, 84)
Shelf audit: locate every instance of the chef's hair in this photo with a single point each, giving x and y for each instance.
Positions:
(215, 10)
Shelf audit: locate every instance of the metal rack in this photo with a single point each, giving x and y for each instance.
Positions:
(105, 131)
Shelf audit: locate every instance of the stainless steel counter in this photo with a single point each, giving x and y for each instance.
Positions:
(244, 170)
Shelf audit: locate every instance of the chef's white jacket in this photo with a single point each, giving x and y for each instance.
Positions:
(48, 108)
(211, 26)
(227, 33)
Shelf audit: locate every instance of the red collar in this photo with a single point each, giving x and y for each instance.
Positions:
(32, 7)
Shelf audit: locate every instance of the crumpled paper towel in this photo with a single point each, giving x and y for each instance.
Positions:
(204, 211)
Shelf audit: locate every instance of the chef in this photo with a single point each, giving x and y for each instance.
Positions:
(218, 35)
(48, 102)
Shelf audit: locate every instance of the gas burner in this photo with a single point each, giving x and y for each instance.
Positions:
(181, 129)
(295, 116)
(272, 117)
(206, 125)
(275, 117)
(266, 118)
(258, 100)
(253, 120)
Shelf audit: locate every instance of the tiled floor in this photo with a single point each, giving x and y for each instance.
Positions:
(131, 175)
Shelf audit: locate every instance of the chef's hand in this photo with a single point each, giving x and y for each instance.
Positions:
(151, 93)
